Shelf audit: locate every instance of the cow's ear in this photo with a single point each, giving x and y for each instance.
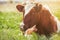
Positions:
(20, 8)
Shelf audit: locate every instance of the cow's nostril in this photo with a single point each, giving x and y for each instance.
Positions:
(21, 27)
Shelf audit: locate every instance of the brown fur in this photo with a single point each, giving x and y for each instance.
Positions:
(45, 22)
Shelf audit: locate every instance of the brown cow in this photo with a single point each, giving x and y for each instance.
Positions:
(37, 14)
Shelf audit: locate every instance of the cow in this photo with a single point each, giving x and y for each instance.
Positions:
(39, 15)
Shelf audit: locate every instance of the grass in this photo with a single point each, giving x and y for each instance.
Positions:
(57, 14)
(9, 27)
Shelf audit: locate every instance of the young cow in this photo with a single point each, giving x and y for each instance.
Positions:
(39, 15)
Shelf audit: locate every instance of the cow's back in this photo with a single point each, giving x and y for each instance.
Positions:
(47, 24)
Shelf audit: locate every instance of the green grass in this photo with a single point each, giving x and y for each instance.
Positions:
(9, 27)
(10, 20)
(57, 14)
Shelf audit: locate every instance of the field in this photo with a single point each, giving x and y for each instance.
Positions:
(9, 27)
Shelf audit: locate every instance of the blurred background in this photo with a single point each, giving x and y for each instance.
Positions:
(9, 5)
(10, 19)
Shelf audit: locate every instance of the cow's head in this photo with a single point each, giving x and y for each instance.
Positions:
(27, 7)
(29, 10)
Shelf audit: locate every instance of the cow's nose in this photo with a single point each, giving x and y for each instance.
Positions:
(21, 26)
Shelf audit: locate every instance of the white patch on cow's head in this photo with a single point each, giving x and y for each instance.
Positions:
(28, 7)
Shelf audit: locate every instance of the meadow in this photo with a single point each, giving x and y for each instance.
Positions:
(10, 30)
